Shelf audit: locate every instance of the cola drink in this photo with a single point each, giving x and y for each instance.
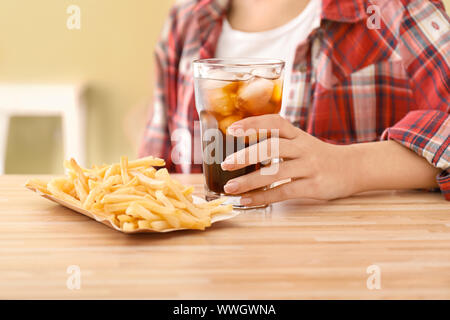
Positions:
(226, 95)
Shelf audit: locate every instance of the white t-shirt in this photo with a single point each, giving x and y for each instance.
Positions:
(278, 43)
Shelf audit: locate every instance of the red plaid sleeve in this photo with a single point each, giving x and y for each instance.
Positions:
(156, 140)
(427, 133)
(424, 47)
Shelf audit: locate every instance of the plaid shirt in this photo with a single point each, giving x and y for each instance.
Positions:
(349, 83)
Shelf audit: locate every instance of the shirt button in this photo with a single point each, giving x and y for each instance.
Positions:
(435, 25)
(303, 68)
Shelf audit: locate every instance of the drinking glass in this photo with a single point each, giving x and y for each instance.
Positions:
(228, 90)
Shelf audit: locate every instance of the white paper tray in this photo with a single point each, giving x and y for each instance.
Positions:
(105, 221)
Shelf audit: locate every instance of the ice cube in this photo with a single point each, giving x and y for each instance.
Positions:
(221, 74)
(255, 96)
(267, 73)
(243, 76)
(226, 122)
(277, 92)
(221, 99)
(208, 84)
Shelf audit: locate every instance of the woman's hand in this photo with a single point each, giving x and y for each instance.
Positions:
(318, 170)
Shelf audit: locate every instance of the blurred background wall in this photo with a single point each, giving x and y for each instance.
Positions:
(112, 54)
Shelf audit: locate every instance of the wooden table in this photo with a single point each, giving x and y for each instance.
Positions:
(296, 250)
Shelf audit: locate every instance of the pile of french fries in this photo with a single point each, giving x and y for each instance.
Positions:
(132, 195)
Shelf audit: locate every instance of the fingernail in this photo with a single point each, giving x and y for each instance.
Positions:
(225, 166)
(231, 186)
(235, 130)
(228, 162)
(246, 201)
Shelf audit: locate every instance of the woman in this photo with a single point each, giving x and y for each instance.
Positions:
(367, 96)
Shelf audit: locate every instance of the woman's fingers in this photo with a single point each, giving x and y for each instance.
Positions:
(283, 143)
(266, 176)
(301, 188)
(247, 126)
(272, 148)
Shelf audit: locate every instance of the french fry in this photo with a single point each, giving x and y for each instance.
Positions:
(131, 191)
(131, 183)
(90, 199)
(137, 210)
(172, 219)
(188, 220)
(132, 195)
(146, 162)
(72, 175)
(54, 188)
(112, 170)
(151, 193)
(188, 191)
(124, 190)
(140, 188)
(159, 225)
(153, 206)
(81, 192)
(99, 196)
(199, 213)
(129, 226)
(144, 224)
(163, 199)
(177, 203)
(38, 185)
(161, 173)
(117, 208)
(83, 179)
(99, 207)
(149, 172)
(124, 169)
(125, 218)
(115, 198)
(91, 184)
(96, 173)
(221, 209)
(111, 181)
(146, 181)
(115, 221)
